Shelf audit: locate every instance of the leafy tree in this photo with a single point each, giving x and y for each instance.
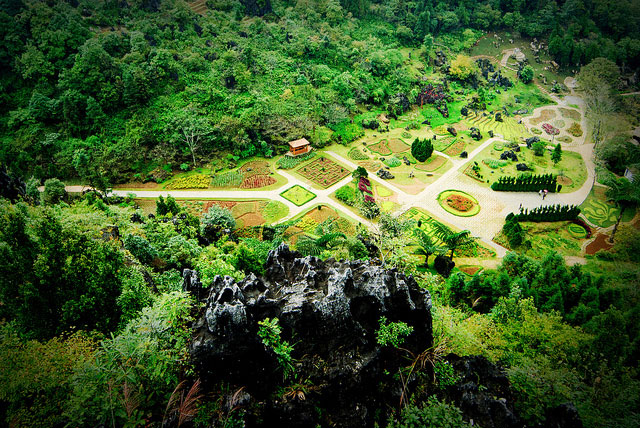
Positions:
(453, 240)
(421, 149)
(140, 248)
(310, 245)
(54, 191)
(526, 74)
(625, 194)
(360, 172)
(556, 155)
(539, 147)
(462, 67)
(426, 245)
(215, 221)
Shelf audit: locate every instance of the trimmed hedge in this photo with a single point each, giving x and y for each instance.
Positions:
(547, 213)
(527, 183)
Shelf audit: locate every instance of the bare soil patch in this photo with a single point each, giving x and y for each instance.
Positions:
(601, 242)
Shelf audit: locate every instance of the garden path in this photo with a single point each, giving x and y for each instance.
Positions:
(485, 225)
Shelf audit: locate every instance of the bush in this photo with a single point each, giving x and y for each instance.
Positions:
(54, 191)
(392, 162)
(421, 149)
(141, 365)
(140, 248)
(215, 221)
(346, 194)
(433, 414)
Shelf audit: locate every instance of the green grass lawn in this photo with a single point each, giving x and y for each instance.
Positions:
(298, 195)
(274, 211)
(551, 236)
(571, 166)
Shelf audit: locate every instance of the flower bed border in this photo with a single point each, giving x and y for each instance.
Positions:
(473, 211)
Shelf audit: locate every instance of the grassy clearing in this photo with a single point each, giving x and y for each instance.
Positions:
(274, 211)
(571, 166)
(298, 195)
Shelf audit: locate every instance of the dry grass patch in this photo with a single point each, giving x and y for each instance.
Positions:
(545, 116)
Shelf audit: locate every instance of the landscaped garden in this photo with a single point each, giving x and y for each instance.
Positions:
(323, 171)
(493, 162)
(601, 212)
(247, 212)
(255, 174)
(298, 195)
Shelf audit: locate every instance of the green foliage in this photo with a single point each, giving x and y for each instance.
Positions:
(269, 331)
(135, 294)
(539, 148)
(392, 162)
(215, 221)
(35, 377)
(54, 278)
(132, 374)
(526, 183)
(140, 248)
(495, 163)
(346, 194)
(290, 162)
(444, 373)
(526, 74)
(360, 172)
(421, 149)
(556, 155)
(213, 261)
(433, 413)
(54, 191)
(392, 333)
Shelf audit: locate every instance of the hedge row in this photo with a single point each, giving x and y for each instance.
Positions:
(547, 213)
(527, 183)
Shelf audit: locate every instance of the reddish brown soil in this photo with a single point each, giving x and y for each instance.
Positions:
(601, 242)
(470, 270)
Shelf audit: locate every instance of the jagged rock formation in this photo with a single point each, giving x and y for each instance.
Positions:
(330, 311)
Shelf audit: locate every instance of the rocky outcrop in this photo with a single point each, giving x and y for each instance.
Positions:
(330, 312)
(483, 392)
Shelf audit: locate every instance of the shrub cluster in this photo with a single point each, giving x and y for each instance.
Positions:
(547, 213)
(527, 183)
(288, 162)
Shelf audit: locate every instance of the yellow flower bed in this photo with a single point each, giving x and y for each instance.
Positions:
(194, 181)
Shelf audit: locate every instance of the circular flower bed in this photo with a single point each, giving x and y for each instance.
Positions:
(498, 147)
(458, 203)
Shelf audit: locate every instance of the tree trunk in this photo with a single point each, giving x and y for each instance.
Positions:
(615, 228)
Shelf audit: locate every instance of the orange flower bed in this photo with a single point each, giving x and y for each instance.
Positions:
(257, 181)
(459, 203)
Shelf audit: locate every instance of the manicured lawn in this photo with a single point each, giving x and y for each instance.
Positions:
(298, 195)
(572, 166)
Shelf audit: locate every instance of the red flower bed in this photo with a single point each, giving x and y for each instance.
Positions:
(257, 181)
(459, 203)
(550, 129)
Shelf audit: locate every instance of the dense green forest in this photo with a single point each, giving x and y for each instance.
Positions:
(124, 89)
(95, 324)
